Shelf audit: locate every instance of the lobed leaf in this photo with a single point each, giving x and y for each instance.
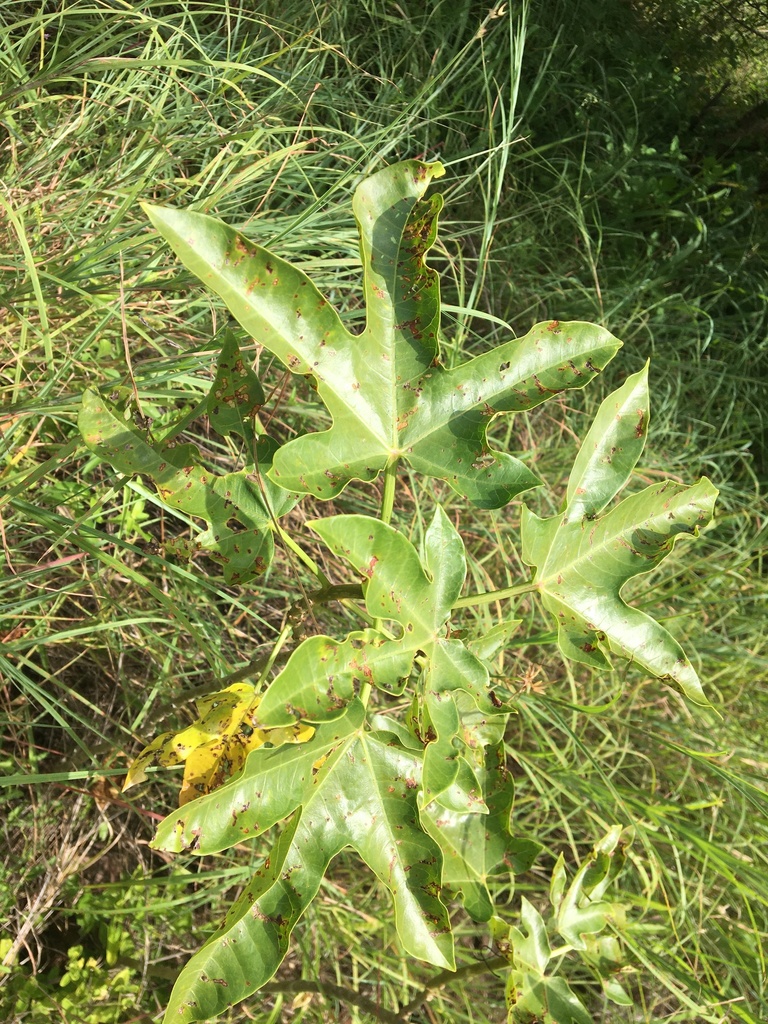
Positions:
(583, 560)
(236, 394)
(345, 787)
(581, 911)
(534, 990)
(239, 507)
(387, 393)
(419, 597)
(471, 826)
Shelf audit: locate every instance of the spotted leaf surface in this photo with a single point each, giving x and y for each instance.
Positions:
(322, 675)
(239, 507)
(583, 558)
(387, 393)
(345, 787)
(580, 913)
(216, 745)
(470, 824)
(236, 395)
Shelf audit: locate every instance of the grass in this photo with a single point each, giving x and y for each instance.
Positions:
(576, 188)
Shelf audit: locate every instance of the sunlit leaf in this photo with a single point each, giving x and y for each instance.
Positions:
(216, 745)
(320, 677)
(387, 393)
(345, 787)
(471, 827)
(584, 559)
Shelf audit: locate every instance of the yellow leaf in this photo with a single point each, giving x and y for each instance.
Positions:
(216, 745)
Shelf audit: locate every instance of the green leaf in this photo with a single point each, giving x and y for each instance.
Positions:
(385, 389)
(616, 992)
(582, 910)
(583, 560)
(531, 948)
(345, 788)
(543, 1000)
(419, 597)
(611, 449)
(473, 843)
(532, 994)
(486, 646)
(239, 507)
(557, 883)
(322, 675)
(236, 394)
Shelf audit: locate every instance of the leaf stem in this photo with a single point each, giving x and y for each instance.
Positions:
(301, 554)
(331, 991)
(494, 595)
(497, 963)
(388, 495)
(338, 592)
(285, 633)
(387, 505)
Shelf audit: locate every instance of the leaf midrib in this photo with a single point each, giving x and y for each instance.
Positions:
(603, 547)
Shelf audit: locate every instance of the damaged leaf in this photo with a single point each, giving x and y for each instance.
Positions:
(386, 390)
(322, 675)
(345, 787)
(238, 507)
(584, 558)
(215, 746)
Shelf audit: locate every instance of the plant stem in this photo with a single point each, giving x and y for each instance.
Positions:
(497, 963)
(387, 504)
(331, 991)
(285, 633)
(301, 554)
(338, 592)
(388, 495)
(494, 595)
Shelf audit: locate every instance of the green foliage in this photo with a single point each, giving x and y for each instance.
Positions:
(585, 921)
(424, 798)
(583, 559)
(240, 508)
(613, 180)
(86, 993)
(388, 394)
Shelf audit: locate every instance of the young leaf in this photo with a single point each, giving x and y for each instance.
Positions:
(582, 910)
(583, 560)
(532, 993)
(346, 788)
(417, 596)
(533, 999)
(473, 843)
(239, 507)
(388, 395)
